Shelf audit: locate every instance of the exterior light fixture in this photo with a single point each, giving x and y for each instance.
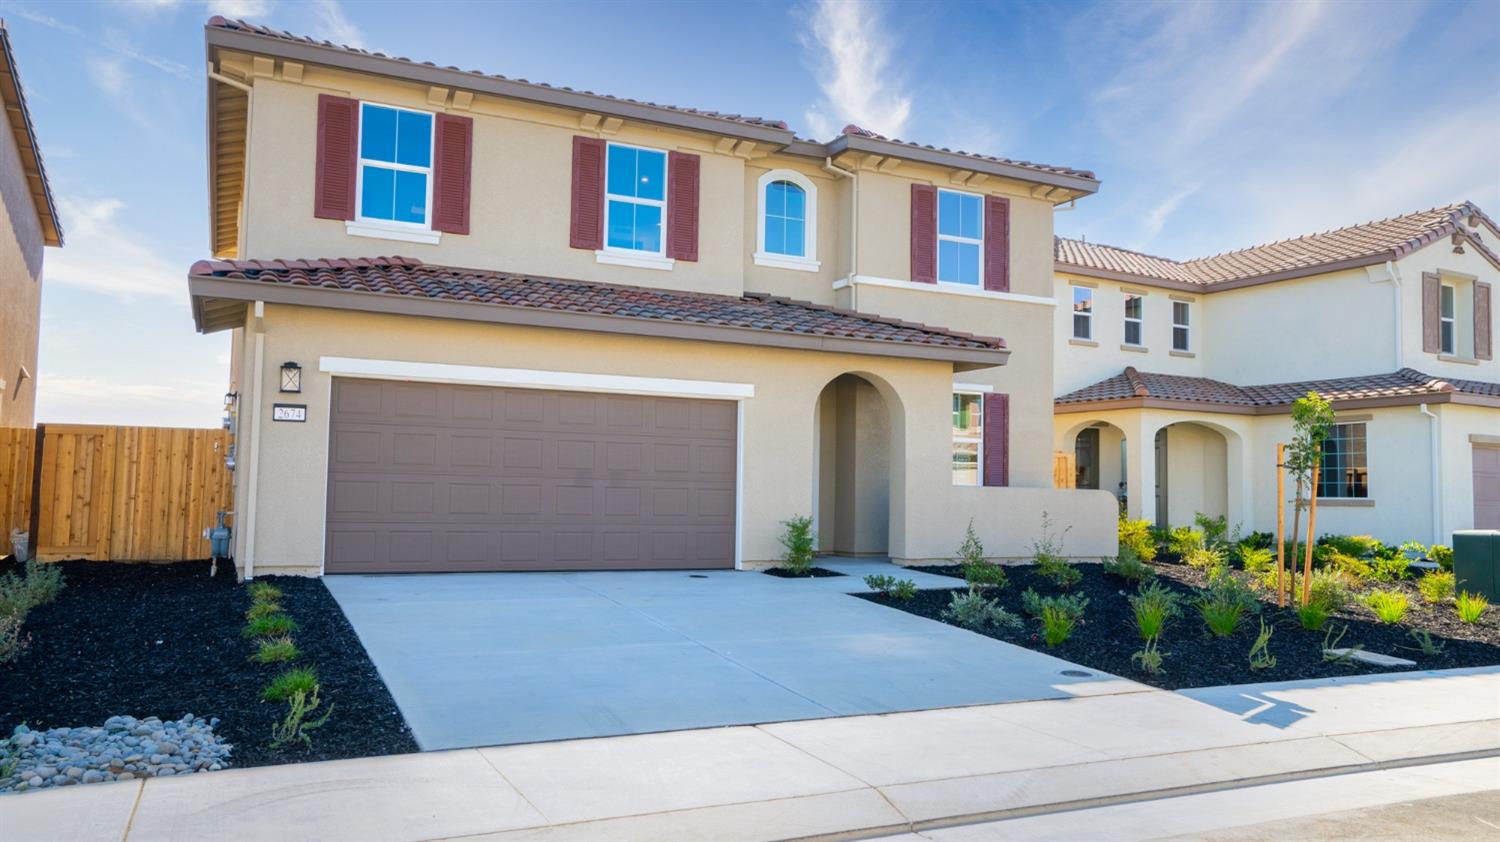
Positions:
(291, 377)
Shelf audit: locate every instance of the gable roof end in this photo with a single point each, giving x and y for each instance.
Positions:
(25, 134)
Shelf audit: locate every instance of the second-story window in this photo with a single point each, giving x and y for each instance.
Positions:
(395, 165)
(1083, 313)
(1447, 321)
(960, 237)
(1134, 305)
(786, 230)
(1181, 313)
(636, 196)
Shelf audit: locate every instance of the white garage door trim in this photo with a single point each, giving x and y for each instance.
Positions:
(528, 378)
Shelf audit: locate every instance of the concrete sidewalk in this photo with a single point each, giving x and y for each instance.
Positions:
(853, 776)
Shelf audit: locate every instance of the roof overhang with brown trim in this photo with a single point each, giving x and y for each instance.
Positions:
(1270, 409)
(24, 133)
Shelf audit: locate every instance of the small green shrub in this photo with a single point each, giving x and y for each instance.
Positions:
(1359, 546)
(1330, 589)
(276, 625)
(983, 575)
(40, 585)
(294, 680)
(974, 611)
(971, 551)
(1224, 603)
(1058, 624)
(1437, 586)
(1312, 616)
(1149, 657)
(12, 641)
(1390, 569)
(1425, 643)
(264, 592)
(1259, 540)
(1215, 529)
(900, 589)
(799, 545)
(296, 727)
(1256, 560)
(262, 609)
(1260, 651)
(276, 650)
(1136, 535)
(1442, 555)
(1034, 603)
(1183, 540)
(1058, 571)
(1153, 605)
(1470, 606)
(1221, 618)
(1353, 566)
(1412, 550)
(1204, 558)
(1128, 566)
(1388, 606)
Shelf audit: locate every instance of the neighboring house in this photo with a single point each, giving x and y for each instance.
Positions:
(1175, 379)
(672, 329)
(28, 217)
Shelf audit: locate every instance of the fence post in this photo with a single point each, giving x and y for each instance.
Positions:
(34, 513)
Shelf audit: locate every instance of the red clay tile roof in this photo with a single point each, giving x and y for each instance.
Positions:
(411, 277)
(852, 129)
(1407, 382)
(1383, 239)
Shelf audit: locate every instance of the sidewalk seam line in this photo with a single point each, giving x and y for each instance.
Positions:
(135, 805)
(832, 765)
(511, 784)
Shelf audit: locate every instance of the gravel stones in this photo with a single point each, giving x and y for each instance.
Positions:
(124, 748)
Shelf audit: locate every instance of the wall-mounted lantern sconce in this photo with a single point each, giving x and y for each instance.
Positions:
(291, 377)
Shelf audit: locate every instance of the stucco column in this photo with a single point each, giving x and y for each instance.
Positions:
(1240, 501)
(1140, 469)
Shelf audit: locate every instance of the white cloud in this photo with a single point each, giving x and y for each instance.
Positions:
(108, 76)
(113, 41)
(63, 399)
(106, 255)
(335, 26)
(852, 56)
(1156, 218)
(240, 8)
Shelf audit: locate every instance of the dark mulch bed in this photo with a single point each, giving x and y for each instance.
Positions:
(812, 573)
(1194, 658)
(164, 640)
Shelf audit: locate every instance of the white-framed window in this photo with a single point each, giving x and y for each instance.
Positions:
(1345, 468)
(786, 227)
(393, 185)
(968, 438)
(960, 235)
(1181, 321)
(1134, 307)
(635, 198)
(1447, 319)
(1083, 313)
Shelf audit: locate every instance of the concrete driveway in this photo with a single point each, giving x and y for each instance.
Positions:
(476, 659)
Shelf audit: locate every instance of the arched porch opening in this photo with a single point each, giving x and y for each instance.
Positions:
(856, 421)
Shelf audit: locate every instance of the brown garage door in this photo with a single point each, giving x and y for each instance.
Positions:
(430, 477)
(1486, 486)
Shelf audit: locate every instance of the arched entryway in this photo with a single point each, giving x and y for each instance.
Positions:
(1099, 457)
(853, 475)
(1192, 473)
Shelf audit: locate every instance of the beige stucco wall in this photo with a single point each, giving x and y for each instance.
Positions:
(1467, 268)
(927, 514)
(1197, 473)
(20, 285)
(1456, 424)
(1081, 363)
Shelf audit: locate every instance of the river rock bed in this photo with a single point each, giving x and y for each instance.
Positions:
(123, 748)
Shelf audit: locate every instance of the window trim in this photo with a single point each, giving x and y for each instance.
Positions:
(392, 229)
(1088, 317)
(646, 259)
(1451, 349)
(975, 439)
(808, 262)
(1185, 327)
(937, 230)
(1140, 321)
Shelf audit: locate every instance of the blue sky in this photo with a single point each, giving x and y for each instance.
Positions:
(1212, 125)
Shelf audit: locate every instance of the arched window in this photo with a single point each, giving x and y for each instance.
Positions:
(786, 225)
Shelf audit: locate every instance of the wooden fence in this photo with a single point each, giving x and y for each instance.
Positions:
(1063, 472)
(114, 493)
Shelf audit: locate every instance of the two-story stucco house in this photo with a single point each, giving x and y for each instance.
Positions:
(618, 334)
(28, 217)
(1175, 379)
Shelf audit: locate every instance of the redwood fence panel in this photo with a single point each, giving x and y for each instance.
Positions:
(1063, 473)
(17, 452)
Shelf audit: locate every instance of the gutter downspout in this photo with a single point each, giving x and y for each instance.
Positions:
(1434, 436)
(1395, 276)
(853, 228)
(252, 483)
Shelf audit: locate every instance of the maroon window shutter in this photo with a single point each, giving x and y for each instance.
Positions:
(586, 231)
(997, 244)
(338, 154)
(996, 439)
(924, 233)
(1484, 347)
(1432, 339)
(450, 173)
(682, 206)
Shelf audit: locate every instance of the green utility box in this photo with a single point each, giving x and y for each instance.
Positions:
(1476, 562)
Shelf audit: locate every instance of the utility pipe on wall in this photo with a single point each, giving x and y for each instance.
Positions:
(1434, 436)
(252, 482)
(828, 165)
(1395, 277)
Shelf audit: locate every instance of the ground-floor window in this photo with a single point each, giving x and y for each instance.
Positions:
(1086, 459)
(968, 437)
(1345, 472)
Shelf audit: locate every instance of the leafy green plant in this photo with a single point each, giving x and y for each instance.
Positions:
(983, 575)
(1330, 589)
(1149, 657)
(1425, 643)
(262, 609)
(1221, 618)
(41, 584)
(1058, 571)
(1153, 605)
(1359, 546)
(1441, 554)
(1034, 603)
(1058, 624)
(1136, 535)
(1260, 651)
(1128, 566)
(275, 650)
(1390, 568)
(1312, 423)
(1352, 566)
(1215, 529)
(901, 589)
(294, 680)
(1331, 638)
(974, 611)
(971, 551)
(1312, 616)
(1412, 550)
(1204, 558)
(1183, 540)
(797, 539)
(276, 625)
(1256, 560)
(1224, 603)
(296, 727)
(264, 592)
(1437, 586)
(12, 641)
(1388, 606)
(1470, 606)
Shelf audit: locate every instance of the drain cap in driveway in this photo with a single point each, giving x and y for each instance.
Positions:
(1077, 674)
(697, 576)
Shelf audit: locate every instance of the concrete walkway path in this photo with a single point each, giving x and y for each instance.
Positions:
(481, 659)
(861, 776)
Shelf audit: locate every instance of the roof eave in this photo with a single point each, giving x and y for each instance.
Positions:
(1375, 402)
(1126, 277)
(859, 143)
(206, 290)
(25, 137)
